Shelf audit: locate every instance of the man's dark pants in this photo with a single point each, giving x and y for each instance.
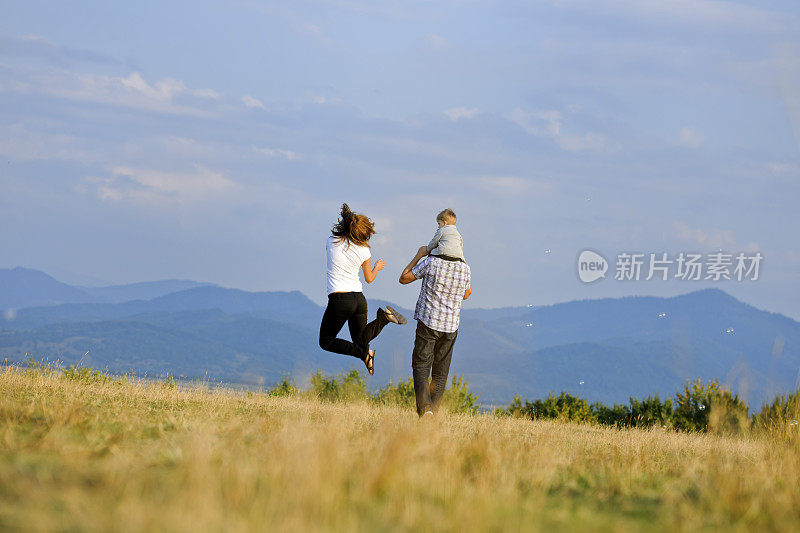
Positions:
(433, 351)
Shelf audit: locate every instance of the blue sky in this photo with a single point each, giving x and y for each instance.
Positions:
(215, 141)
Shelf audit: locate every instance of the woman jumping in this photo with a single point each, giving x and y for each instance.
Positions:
(348, 251)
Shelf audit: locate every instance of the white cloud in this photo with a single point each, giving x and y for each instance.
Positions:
(457, 113)
(548, 124)
(318, 32)
(512, 185)
(703, 13)
(250, 101)
(711, 238)
(714, 238)
(162, 90)
(201, 181)
(206, 93)
(18, 142)
(383, 229)
(278, 152)
(105, 192)
(33, 38)
(539, 122)
(586, 142)
(157, 186)
(127, 91)
(781, 168)
(35, 49)
(436, 41)
(691, 137)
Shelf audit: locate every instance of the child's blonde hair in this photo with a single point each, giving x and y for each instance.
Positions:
(446, 217)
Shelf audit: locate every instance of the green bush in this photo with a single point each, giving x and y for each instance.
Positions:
(347, 387)
(650, 411)
(168, 382)
(36, 366)
(75, 372)
(515, 409)
(85, 374)
(710, 407)
(42, 366)
(401, 394)
(283, 387)
(619, 415)
(781, 417)
(638, 413)
(458, 398)
(565, 406)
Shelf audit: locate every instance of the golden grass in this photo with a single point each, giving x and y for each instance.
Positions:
(143, 456)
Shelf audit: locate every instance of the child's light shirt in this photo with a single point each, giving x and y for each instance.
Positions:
(447, 241)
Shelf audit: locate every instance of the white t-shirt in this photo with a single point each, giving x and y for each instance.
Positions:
(344, 262)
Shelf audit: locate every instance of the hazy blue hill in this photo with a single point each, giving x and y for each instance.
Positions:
(280, 342)
(619, 347)
(140, 291)
(134, 346)
(590, 370)
(611, 373)
(36, 317)
(285, 307)
(758, 359)
(282, 305)
(24, 287)
(122, 347)
(593, 320)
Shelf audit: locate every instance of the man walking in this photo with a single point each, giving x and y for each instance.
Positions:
(445, 283)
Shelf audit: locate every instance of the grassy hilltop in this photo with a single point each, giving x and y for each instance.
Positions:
(91, 453)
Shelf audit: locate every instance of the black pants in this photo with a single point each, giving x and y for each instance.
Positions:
(350, 307)
(433, 351)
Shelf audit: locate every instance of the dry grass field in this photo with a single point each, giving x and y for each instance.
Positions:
(138, 455)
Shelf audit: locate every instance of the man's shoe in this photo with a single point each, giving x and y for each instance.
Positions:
(394, 316)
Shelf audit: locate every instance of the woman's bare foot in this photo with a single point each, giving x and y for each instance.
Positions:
(369, 362)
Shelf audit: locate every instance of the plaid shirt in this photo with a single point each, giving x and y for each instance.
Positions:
(443, 286)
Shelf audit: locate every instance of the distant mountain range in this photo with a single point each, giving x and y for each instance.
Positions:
(25, 287)
(606, 349)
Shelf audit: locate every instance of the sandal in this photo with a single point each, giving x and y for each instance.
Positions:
(369, 362)
(394, 316)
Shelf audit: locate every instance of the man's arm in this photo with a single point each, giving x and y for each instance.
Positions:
(468, 293)
(407, 277)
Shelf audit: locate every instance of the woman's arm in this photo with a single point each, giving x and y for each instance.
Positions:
(371, 273)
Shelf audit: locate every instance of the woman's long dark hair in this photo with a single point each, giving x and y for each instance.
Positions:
(353, 227)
